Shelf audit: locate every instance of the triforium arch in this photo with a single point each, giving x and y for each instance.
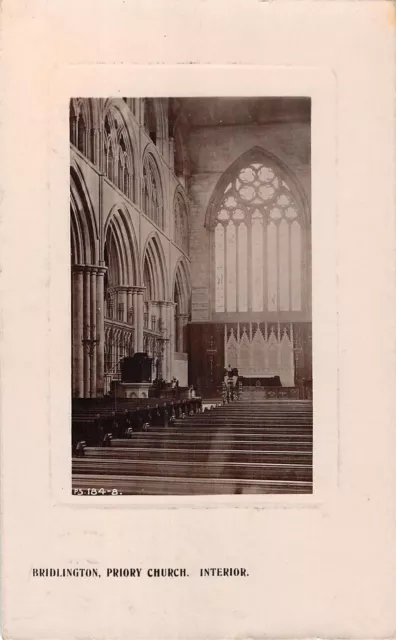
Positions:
(260, 241)
(181, 297)
(119, 149)
(84, 126)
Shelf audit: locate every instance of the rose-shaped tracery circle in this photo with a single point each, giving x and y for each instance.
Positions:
(258, 186)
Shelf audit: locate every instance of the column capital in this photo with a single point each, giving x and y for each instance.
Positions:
(78, 268)
(101, 270)
(89, 268)
(139, 290)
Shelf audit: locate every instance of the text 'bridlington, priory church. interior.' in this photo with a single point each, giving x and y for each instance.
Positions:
(191, 247)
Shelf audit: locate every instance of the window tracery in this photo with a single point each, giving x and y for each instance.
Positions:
(80, 127)
(258, 243)
(118, 155)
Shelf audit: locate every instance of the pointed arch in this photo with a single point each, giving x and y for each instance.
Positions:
(84, 231)
(259, 219)
(82, 119)
(256, 154)
(181, 286)
(153, 258)
(120, 241)
(119, 135)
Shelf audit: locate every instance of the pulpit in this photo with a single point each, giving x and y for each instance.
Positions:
(135, 377)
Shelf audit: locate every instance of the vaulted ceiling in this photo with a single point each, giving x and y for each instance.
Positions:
(209, 112)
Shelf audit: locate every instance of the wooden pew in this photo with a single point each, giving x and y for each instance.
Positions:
(96, 422)
(207, 469)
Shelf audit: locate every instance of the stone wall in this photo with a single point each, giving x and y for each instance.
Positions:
(212, 151)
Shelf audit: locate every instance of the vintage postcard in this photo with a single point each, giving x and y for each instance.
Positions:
(191, 341)
(198, 309)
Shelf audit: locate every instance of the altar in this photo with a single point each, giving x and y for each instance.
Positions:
(260, 381)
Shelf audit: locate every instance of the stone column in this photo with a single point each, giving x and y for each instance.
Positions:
(93, 346)
(163, 323)
(78, 328)
(129, 305)
(122, 299)
(87, 329)
(139, 318)
(135, 318)
(171, 334)
(181, 321)
(100, 333)
(94, 146)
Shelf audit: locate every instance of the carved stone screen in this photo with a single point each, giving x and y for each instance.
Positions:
(261, 351)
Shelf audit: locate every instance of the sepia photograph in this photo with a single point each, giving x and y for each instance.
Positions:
(197, 320)
(190, 232)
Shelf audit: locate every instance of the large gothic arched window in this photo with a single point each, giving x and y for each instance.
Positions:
(258, 242)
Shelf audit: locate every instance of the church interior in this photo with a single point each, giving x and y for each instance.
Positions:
(191, 327)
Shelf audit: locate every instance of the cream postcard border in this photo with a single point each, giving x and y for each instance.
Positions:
(196, 81)
(325, 572)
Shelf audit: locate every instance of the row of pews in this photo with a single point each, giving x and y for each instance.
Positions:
(241, 447)
(95, 422)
